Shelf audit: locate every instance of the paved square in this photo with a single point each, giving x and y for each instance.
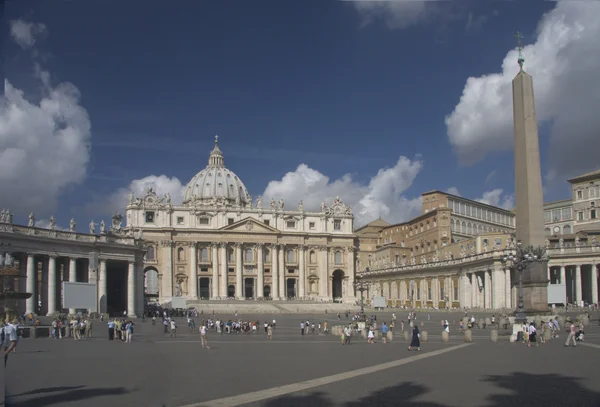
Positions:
(293, 370)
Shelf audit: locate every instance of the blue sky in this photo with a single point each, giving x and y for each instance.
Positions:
(339, 87)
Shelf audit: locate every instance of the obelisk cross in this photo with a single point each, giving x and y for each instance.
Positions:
(521, 60)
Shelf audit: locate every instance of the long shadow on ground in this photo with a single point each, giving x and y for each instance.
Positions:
(62, 396)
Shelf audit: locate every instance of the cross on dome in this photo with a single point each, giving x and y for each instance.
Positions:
(216, 156)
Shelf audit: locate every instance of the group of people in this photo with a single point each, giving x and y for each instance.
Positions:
(120, 329)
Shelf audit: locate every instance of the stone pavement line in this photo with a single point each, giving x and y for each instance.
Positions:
(309, 384)
(591, 345)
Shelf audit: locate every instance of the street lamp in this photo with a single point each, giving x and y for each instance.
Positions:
(519, 259)
(362, 286)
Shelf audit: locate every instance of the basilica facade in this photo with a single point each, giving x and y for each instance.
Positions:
(220, 244)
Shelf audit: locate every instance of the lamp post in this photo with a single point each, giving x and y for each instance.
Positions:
(519, 258)
(362, 286)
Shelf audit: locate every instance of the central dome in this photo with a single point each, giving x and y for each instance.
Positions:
(216, 182)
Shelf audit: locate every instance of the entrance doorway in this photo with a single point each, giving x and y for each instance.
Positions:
(336, 286)
(249, 287)
(291, 287)
(231, 291)
(116, 287)
(204, 292)
(267, 291)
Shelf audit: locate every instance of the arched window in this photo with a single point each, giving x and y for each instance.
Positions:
(220, 189)
(313, 256)
(567, 229)
(463, 228)
(204, 254)
(150, 253)
(249, 255)
(290, 256)
(207, 190)
(469, 229)
(338, 257)
(180, 254)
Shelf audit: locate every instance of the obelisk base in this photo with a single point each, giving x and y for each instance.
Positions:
(535, 289)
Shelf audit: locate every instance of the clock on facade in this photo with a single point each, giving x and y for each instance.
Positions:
(556, 229)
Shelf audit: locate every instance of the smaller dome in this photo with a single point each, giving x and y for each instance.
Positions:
(216, 181)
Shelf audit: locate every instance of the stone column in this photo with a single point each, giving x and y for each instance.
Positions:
(223, 283)
(214, 284)
(499, 291)
(324, 272)
(489, 289)
(549, 274)
(301, 272)
(351, 272)
(193, 284)
(102, 299)
(578, 292)
(474, 291)
(260, 265)
(167, 272)
(594, 278)
(275, 271)
(72, 278)
(139, 287)
(131, 290)
(282, 293)
(51, 285)
(239, 264)
(31, 277)
(507, 289)
(563, 275)
(465, 291)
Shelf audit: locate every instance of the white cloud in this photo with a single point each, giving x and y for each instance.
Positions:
(564, 61)
(490, 176)
(496, 197)
(45, 224)
(45, 145)
(453, 191)
(381, 197)
(396, 14)
(117, 201)
(24, 33)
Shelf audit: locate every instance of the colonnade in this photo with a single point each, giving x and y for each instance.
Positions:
(580, 280)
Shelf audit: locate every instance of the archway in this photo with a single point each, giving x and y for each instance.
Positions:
(249, 287)
(204, 292)
(336, 286)
(231, 291)
(267, 291)
(291, 287)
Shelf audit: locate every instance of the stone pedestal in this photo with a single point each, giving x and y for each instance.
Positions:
(535, 289)
(494, 335)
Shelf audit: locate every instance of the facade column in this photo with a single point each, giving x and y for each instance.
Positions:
(563, 275)
(464, 291)
(193, 282)
(507, 289)
(30, 302)
(102, 299)
(549, 275)
(489, 289)
(301, 272)
(350, 293)
(72, 278)
(282, 293)
(474, 291)
(140, 292)
(167, 278)
(324, 272)
(275, 271)
(51, 285)
(260, 265)
(214, 284)
(131, 290)
(223, 283)
(239, 264)
(594, 278)
(578, 291)
(499, 291)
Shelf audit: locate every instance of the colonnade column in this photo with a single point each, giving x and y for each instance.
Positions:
(474, 291)
(102, 300)
(275, 271)
(594, 278)
(351, 272)
(489, 290)
(51, 285)
(507, 289)
(215, 271)
(499, 292)
(30, 302)
(282, 293)
(193, 283)
(131, 290)
(323, 272)
(223, 283)
(563, 274)
(301, 272)
(167, 272)
(260, 265)
(239, 284)
(72, 277)
(578, 291)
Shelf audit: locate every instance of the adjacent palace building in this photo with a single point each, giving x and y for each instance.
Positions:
(450, 256)
(220, 244)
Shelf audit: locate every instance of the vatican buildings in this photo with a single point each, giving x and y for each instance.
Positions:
(220, 244)
(450, 255)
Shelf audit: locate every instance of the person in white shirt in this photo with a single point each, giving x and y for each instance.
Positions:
(173, 329)
(10, 338)
(203, 337)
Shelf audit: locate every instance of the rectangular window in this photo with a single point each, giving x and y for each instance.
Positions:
(579, 215)
(203, 221)
(204, 270)
(231, 270)
(579, 194)
(593, 214)
(180, 220)
(150, 217)
(267, 222)
(230, 221)
(337, 224)
(547, 216)
(442, 297)
(455, 293)
(290, 224)
(556, 215)
(429, 293)
(267, 270)
(567, 214)
(592, 192)
(419, 293)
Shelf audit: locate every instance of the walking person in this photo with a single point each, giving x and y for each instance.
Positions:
(532, 335)
(371, 336)
(111, 330)
(415, 342)
(173, 329)
(571, 336)
(269, 332)
(384, 331)
(203, 337)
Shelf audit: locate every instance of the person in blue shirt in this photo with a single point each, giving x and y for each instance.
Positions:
(111, 330)
(384, 331)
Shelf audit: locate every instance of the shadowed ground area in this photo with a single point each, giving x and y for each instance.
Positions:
(157, 370)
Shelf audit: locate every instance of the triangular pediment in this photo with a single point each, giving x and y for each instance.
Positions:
(249, 225)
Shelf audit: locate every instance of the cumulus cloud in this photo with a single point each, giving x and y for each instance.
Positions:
(564, 61)
(24, 33)
(45, 224)
(44, 145)
(496, 197)
(396, 14)
(453, 191)
(382, 197)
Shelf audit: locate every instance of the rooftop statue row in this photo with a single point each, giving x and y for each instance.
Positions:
(152, 200)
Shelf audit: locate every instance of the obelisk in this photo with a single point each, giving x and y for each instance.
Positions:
(528, 188)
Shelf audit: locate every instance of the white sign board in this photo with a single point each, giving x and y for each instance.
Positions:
(557, 293)
(379, 302)
(80, 295)
(178, 302)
